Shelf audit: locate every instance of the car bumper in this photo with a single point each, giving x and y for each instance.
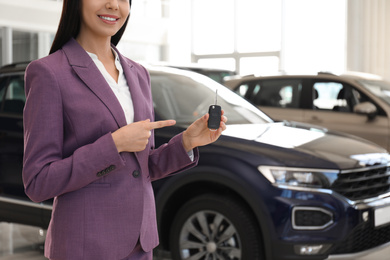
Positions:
(347, 228)
(379, 253)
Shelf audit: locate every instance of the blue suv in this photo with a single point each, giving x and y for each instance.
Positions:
(264, 190)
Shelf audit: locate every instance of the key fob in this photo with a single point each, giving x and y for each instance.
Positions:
(215, 117)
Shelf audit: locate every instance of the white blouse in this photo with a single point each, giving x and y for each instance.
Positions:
(120, 88)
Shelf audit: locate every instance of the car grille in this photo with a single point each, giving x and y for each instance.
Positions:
(363, 184)
(364, 237)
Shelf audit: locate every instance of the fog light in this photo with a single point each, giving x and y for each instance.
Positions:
(311, 218)
(311, 249)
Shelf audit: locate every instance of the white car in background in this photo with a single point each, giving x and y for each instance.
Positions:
(353, 103)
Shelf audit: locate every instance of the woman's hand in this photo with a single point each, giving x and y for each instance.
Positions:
(198, 134)
(135, 136)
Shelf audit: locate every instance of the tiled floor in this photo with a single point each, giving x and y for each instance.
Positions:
(20, 242)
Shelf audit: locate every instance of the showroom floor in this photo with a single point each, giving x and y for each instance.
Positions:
(20, 242)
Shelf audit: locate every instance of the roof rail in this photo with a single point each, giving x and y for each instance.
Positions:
(326, 73)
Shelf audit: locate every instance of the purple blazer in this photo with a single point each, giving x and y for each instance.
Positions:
(103, 200)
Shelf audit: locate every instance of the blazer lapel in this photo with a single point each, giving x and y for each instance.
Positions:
(86, 69)
(134, 86)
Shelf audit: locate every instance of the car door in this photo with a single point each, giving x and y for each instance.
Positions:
(15, 206)
(333, 107)
(278, 98)
(12, 100)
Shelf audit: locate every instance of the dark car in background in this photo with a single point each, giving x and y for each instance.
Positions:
(217, 74)
(354, 103)
(264, 190)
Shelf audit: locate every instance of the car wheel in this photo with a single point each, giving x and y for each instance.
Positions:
(212, 227)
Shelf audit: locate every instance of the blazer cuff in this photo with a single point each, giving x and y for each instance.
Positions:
(109, 157)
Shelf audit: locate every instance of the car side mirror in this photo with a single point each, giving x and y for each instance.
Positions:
(366, 108)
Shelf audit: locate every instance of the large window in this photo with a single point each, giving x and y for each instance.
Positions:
(265, 37)
(213, 26)
(18, 46)
(241, 35)
(145, 35)
(25, 46)
(314, 36)
(258, 25)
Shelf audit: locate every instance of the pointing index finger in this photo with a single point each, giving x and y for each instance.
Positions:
(161, 124)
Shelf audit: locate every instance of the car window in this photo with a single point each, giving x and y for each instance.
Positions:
(379, 88)
(272, 93)
(215, 74)
(218, 76)
(3, 88)
(329, 95)
(247, 90)
(184, 98)
(12, 97)
(336, 96)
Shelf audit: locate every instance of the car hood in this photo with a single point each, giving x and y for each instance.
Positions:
(302, 145)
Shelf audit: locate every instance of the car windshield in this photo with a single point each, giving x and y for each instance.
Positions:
(378, 88)
(186, 96)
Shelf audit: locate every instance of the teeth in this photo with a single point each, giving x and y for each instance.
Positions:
(108, 18)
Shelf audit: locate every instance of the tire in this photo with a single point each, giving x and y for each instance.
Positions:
(213, 227)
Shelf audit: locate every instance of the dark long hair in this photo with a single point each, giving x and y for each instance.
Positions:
(69, 25)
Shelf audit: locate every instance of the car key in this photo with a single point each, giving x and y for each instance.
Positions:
(214, 115)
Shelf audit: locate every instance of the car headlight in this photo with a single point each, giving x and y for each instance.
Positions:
(299, 177)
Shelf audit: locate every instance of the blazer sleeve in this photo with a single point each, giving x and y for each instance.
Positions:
(171, 158)
(46, 173)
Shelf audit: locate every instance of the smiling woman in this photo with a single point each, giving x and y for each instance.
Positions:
(70, 23)
(90, 143)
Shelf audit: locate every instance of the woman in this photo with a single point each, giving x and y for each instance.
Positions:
(89, 140)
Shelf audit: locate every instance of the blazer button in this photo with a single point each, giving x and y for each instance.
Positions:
(136, 174)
